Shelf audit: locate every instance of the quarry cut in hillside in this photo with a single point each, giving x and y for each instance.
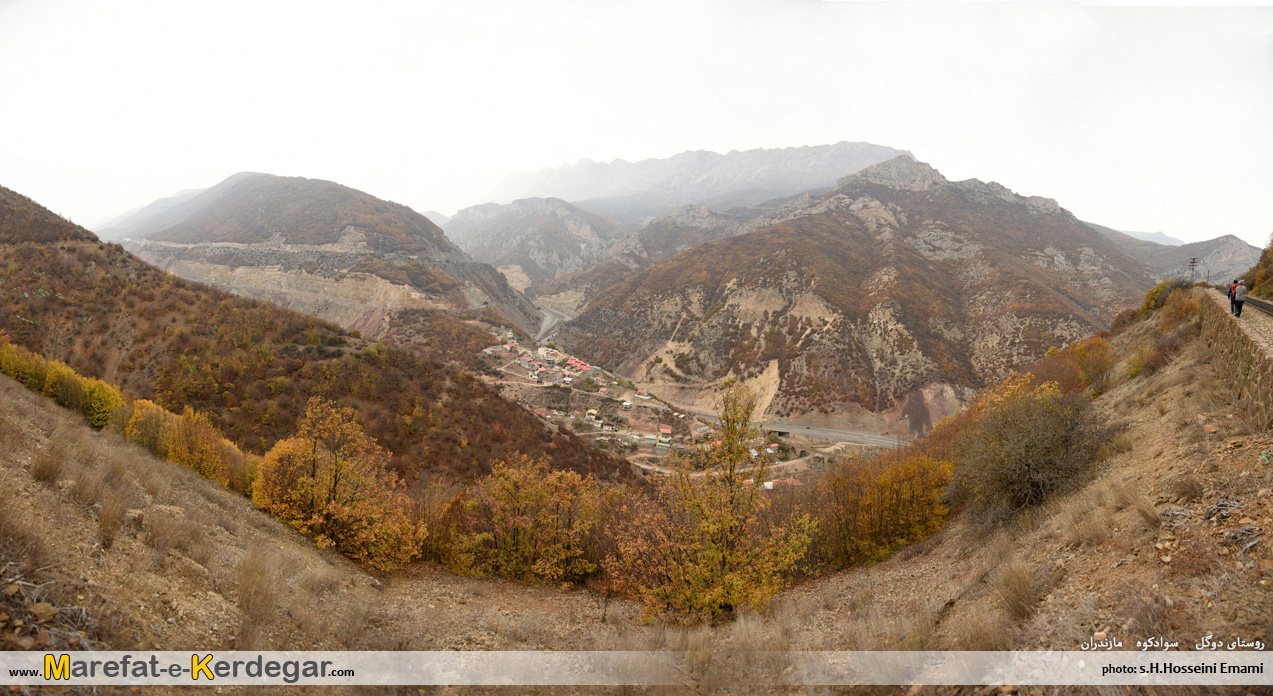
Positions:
(296, 241)
(321, 281)
(898, 292)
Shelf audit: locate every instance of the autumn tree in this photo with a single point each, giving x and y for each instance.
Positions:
(698, 547)
(524, 521)
(101, 401)
(197, 444)
(1094, 358)
(330, 482)
(151, 426)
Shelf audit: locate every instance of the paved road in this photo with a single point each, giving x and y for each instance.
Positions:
(856, 437)
(551, 317)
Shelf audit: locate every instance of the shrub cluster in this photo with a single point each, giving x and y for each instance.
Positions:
(1180, 321)
(97, 400)
(1083, 365)
(1157, 296)
(1030, 442)
(527, 522)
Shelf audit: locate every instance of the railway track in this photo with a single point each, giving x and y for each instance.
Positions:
(1262, 305)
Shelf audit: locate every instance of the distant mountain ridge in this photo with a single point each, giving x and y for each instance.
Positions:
(1225, 257)
(1156, 237)
(606, 219)
(536, 240)
(897, 293)
(633, 192)
(320, 248)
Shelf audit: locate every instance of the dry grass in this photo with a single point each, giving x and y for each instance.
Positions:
(11, 432)
(168, 532)
(1016, 588)
(110, 517)
(1084, 519)
(1188, 488)
(1126, 496)
(49, 465)
(1092, 529)
(89, 486)
(1122, 442)
(320, 580)
(1146, 615)
(259, 585)
(979, 631)
(18, 542)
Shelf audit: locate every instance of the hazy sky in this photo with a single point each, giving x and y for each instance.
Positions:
(1137, 117)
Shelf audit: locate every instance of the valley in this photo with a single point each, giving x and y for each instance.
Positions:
(709, 347)
(476, 413)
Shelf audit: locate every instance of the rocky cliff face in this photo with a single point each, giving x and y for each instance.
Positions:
(896, 285)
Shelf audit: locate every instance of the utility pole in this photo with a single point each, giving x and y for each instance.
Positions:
(1193, 264)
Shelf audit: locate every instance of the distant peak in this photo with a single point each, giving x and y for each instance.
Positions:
(902, 173)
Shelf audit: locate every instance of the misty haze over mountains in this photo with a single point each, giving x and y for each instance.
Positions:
(632, 192)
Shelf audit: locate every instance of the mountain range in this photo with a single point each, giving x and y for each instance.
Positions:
(896, 293)
(632, 193)
(1225, 257)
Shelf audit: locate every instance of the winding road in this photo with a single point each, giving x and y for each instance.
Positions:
(551, 317)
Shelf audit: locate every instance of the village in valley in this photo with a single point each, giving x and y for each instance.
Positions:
(618, 415)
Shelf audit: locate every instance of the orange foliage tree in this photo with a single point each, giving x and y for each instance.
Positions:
(196, 444)
(330, 482)
(869, 508)
(524, 521)
(700, 546)
(1094, 358)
